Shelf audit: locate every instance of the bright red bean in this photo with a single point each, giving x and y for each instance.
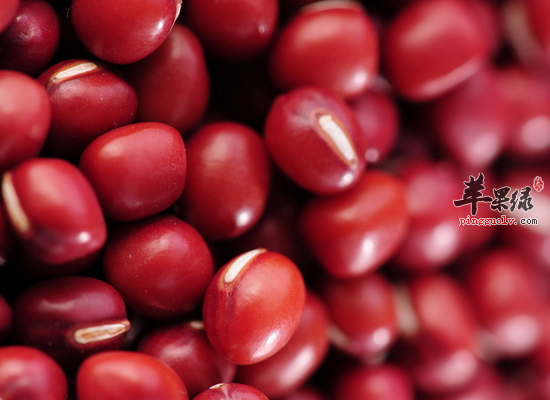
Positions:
(253, 306)
(313, 136)
(30, 41)
(29, 374)
(25, 115)
(172, 83)
(161, 266)
(53, 210)
(363, 314)
(235, 30)
(103, 99)
(124, 31)
(355, 232)
(328, 44)
(70, 318)
(119, 375)
(227, 391)
(227, 180)
(287, 370)
(137, 170)
(426, 58)
(186, 349)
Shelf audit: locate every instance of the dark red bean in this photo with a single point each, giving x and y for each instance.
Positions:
(235, 30)
(304, 393)
(6, 319)
(119, 375)
(30, 41)
(381, 382)
(355, 232)
(103, 99)
(287, 370)
(363, 314)
(137, 170)
(70, 318)
(504, 293)
(439, 354)
(28, 373)
(426, 58)
(328, 44)
(186, 349)
(378, 118)
(228, 180)
(25, 115)
(53, 210)
(253, 306)
(227, 391)
(538, 12)
(7, 13)
(314, 137)
(6, 238)
(172, 84)
(161, 266)
(125, 31)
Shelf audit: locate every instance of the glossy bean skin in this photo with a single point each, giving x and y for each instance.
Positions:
(70, 318)
(441, 56)
(314, 138)
(126, 31)
(355, 232)
(118, 375)
(333, 46)
(103, 99)
(235, 30)
(27, 373)
(54, 229)
(186, 349)
(363, 314)
(25, 116)
(378, 117)
(160, 265)
(172, 83)
(227, 180)
(30, 41)
(227, 391)
(253, 306)
(287, 370)
(137, 170)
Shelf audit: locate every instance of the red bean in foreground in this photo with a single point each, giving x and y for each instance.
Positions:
(124, 31)
(355, 232)
(253, 306)
(231, 391)
(314, 137)
(136, 170)
(121, 375)
(53, 210)
(29, 374)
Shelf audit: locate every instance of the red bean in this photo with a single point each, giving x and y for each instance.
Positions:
(118, 375)
(7, 13)
(137, 170)
(161, 266)
(226, 391)
(253, 306)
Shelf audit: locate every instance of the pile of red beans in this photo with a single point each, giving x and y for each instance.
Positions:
(283, 199)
